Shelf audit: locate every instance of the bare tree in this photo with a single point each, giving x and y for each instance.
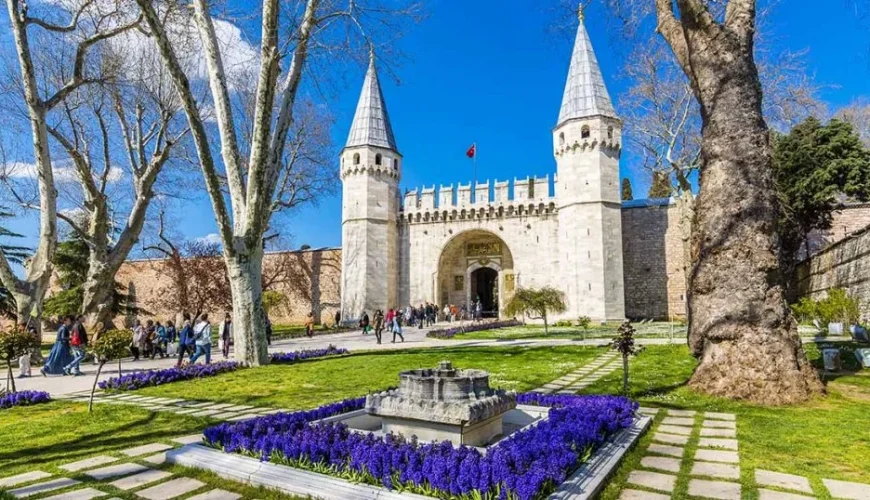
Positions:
(138, 106)
(253, 183)
(88, 25)
(739, 323)
(857, 114)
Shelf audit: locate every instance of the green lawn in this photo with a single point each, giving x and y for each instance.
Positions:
(317, 382)
(595, 331)
(825, 438)
(43, 437)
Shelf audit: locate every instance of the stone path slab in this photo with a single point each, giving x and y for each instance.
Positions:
(140, 479)
(719, 424)
(846, 489)
(171, 489)
(684, 421)
(712, 469)
(724, 443)
(10, 481)
(661, 463)
(642, 495)
(190, 439)
(714, 489)
(652, 480)
(115, 471)
(720, 416)
(663, 449)
(764, 494)
(674, 429)
(648, 411)
(205, 413)
(39, 488)
(670, 438)
(217, 494)
(157, 459)
(729, 457)
(784, 481)
(145, 449)
(225, 415)
(82, 494)
(708, 432)
(682, 413)
(88, 463)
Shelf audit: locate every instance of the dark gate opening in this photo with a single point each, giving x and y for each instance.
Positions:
(484, 287)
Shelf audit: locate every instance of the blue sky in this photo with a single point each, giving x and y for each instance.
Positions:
(493, 73)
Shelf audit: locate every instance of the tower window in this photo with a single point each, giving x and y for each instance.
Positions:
(356, 159)
(377, 159)
(584, 132)
(610, 132)
(396, 163)
(561, 138)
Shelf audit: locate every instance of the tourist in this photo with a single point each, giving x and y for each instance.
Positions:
(186, 340)
(478, 310)
(138, 340)
(309, 325)
(268, 330)
(150, 337)
(24, 366)
(78, 344)
(379, 324)
(60, 355)
(337, 319)
(225, 335)
(396, 327)
(171, 336)
(161, 342)
(364, 323)
(202, 334)
(447, 314)
(421, 313)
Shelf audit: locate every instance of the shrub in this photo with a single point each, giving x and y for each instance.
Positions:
(584, 322)
(623, 343)
(526, 465)
(14, 343)
(837, 307)
(23, 398)
(113, 344)
(537, 304)
(449, 333)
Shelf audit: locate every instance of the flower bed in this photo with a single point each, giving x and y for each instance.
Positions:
(448, 333)
(295, 356)
(528, 464)
(150, 378)
(23, 398)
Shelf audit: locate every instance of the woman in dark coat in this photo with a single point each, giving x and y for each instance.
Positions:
(61, 354)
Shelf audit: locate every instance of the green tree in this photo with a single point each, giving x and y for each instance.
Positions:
(14, 253)
(626, 189)
(14, 343)
(537, 304)
(814, 164)
(113, 344)
(661, 185)
(272, 299)
(623, 343)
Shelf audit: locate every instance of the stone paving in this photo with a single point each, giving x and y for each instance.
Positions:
(94, 478)
(584, 376)
(713, 470)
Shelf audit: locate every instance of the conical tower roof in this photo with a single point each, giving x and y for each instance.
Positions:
(585, 93)
(371, 122)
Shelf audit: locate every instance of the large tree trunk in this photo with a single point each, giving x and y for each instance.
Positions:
(249, 320)
(98, 290)
(739, 325)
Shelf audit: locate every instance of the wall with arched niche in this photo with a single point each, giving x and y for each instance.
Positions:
(465, 253)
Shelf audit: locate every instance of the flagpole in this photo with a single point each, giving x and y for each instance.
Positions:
(474, 184)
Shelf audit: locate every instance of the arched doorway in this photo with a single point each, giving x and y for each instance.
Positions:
(475, 264)
(484, 288)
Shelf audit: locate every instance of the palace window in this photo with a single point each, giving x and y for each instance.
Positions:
(562, 139)
(377, 159)
(584, 132)
(396, 163)
(356, 159)
(610, 132)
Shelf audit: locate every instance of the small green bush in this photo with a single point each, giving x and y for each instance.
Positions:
(837, 307)
(584, 322)
(564, 322)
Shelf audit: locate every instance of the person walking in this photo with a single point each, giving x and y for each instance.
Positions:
(225, 334)
(379, 324)
(337, 319)
(309, 325)
(160, 341)
(202, 334)
(396, 327)
(150, 338)
(60, 355)
(78, 344)
(364, 323)
(186, 341)
(268, 330)
(138, 342)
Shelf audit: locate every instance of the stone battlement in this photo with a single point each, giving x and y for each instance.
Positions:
(486, 198)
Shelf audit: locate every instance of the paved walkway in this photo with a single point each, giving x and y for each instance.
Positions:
(354, 341)
(584, 376)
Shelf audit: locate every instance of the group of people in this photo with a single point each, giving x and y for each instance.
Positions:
(379, 321)
(69, 349)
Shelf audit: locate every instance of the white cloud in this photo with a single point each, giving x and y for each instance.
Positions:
(64, 172)
(210, 239)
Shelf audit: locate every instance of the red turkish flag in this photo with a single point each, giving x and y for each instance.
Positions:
(471, 151)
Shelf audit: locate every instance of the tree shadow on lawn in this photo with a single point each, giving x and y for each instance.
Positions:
(105, 439)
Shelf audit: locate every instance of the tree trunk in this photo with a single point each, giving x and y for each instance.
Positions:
(739, 323)
(98, 293)
(10, 380)
(546, 327)
(249, 320)
(94, 387)
(119, 368)
(625, 374)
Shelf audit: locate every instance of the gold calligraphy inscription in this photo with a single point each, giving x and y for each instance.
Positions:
(459, 282)
(480, 249)
(509, 282)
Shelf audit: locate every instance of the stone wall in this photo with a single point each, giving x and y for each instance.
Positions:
(311, 284)
(845, 264)
(652, 253)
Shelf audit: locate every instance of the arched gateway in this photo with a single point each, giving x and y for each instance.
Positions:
(475, 265)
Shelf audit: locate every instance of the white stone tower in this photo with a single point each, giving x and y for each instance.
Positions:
(370, 171)
(586, 142)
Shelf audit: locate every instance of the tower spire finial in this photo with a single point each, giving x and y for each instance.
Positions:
(371, 53)
(580, 14)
